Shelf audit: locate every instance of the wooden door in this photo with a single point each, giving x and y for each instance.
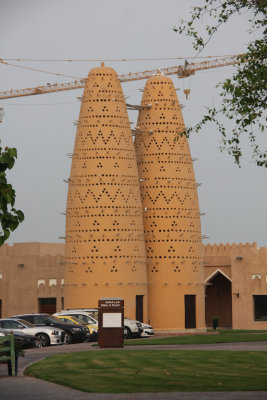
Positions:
(139, 307)
(190, 311)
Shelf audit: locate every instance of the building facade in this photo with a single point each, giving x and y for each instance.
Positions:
(31, 278)
(236, 285)
(235, 279)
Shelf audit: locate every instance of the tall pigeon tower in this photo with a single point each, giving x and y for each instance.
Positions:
(171, 212)
(105, 247)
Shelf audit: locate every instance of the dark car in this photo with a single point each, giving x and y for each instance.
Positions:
(24, 339)
(73, 333)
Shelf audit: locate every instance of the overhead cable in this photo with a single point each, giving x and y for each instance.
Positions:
(38, 70)
(109, 59)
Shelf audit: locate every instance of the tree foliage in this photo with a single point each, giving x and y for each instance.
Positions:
(244, 95)
(10, 218)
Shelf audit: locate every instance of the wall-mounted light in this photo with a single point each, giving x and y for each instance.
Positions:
(236, 294)
(239, 258)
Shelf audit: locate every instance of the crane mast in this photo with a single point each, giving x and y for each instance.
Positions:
(182, 71)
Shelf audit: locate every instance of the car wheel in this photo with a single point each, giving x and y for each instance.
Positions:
(42, 340)
(129, 333)
(68, 338)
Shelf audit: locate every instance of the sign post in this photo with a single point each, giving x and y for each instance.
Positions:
(110, 322)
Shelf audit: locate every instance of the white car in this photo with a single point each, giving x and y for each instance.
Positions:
(134, 328)
(45, 335)
(147, 330)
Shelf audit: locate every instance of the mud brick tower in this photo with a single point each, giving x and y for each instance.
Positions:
(105, 247)
(171, 211)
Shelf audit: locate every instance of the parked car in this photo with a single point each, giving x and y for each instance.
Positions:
(147, 330)
(69, 319)
(84, 316)
(124, 332)
(92, 311)
(24, 339)
(73, 333)
(45, 335)
(134, 328)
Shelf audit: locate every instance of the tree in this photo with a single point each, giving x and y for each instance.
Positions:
(10, 218)
(243, 96)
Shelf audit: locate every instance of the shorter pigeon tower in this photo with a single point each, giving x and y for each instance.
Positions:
(171, 212)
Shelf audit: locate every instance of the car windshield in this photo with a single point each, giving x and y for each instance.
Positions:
(26, 323)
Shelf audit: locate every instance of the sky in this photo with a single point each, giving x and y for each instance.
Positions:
(42, 127)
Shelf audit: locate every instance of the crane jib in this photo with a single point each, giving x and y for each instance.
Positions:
(182, 71)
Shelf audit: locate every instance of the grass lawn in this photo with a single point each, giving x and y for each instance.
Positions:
(224, 336)
(120, 371)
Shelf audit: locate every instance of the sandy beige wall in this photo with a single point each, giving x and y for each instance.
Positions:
(22, 266)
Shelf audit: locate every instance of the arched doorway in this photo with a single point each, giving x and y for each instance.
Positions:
(218, 300)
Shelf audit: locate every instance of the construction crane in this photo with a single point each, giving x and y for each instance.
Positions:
(179, 70)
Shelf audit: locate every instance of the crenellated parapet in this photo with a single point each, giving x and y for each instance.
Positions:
(234, 259)
(229, 250)
(39, 249)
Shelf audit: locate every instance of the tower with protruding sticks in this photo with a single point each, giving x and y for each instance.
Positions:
(105, 247)
(171, 211)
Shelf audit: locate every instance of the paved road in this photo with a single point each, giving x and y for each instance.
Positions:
(26, 388)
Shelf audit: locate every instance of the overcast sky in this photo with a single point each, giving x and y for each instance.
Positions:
(41, 127)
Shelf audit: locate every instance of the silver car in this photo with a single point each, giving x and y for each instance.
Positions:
(45, 335)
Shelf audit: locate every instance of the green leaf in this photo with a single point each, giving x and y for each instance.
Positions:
(7, 196)
(20, 215)
(12, 152)
(9, 218)
(6, 233)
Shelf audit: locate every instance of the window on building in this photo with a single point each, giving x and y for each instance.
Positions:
(40, 282)
(260, 307)
(0, 308)
(48, 305)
